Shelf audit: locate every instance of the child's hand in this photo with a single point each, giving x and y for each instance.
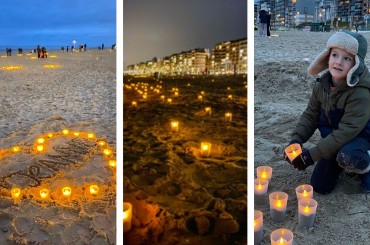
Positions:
(302, 161)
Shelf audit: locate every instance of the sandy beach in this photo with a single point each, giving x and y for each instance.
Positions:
(180, 196)
(282, 91)
(39, 98)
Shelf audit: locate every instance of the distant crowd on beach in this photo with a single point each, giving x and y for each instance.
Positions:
(42, 53)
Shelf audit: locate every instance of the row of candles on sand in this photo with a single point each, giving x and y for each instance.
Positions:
(10, 68)
(40, 146)
(307, 206)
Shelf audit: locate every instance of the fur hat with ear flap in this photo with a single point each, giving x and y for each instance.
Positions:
(350, 42)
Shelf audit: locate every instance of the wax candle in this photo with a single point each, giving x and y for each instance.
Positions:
(107, 152)
(258, 226)
(278, 203)
(208, 110)
(94, 189)
(169, 100)
(16, 148)
(76, 134)
(40, 140)
(112, 163)
(264, 172)
(40, 148)
(293, 150)
(65, 131)
(260, 190)
(50, 135)
(304, 191)
(145, 96)
(44, 193)
(67, 191)
(101, 143)
(230, 96)
(205, 149)
(200, 97)
(162, 97)
(175, 126)
(228, 116)
(306, 212)
(176, 93)
(90, 135)
(281, 237)
(127, 216)
(134, 103)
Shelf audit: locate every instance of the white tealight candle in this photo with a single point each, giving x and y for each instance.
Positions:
(278, 203)
(175, 126)
(264, 172)
(228, 116)
(293, 150)
(260, 190)
(281, 237)
(205, 149)
(258, 226)
(304, 191)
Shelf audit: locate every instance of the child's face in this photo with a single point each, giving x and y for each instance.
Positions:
(340, 62)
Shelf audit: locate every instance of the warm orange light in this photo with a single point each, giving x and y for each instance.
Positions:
(67, 191)
(50, 135)
(51, 66)
(44, 193)
(304, 193)
(16, 148)
(90, 135)
(16, 193)
(306, 209)
(175, 126)
(134, 103)
(112, 163)
(40, 148)
(94, 189)
(263, 175)
(107, 152)
(259, 186)
(200, 97)
(101, 143)
(40, 140)
(169, 100)
(9, 68)
(65, 131)
(230, 96)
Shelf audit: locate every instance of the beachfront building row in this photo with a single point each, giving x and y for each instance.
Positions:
(287, 13)
(229, 57)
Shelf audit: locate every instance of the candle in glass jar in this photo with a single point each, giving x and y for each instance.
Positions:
(134, 104)
(205, 149)
(304, 191)
(16, 193)
(94, 189)
(127, 216)
(260, 190)
(67, 191)
(200, 97)
(281, 237)
(264, 172)
(169, 100)
(208, 110)
(44, 193)
(278, 203)
(306, 212)
(228, 116)
(293, 150)
(258, 226)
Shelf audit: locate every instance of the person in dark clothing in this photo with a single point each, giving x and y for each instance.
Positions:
(67, 48)
(262, 18)
(85, 47)
(102, 46)
(44, 53)
(38, 51)
(268, 24)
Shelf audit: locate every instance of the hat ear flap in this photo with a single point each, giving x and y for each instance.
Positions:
(320, 63)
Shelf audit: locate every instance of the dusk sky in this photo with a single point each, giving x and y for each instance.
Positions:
(57, 23)
(163, 27)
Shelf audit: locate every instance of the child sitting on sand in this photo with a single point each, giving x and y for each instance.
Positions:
(340, 108)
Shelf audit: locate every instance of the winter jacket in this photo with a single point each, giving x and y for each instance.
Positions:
(340, 115)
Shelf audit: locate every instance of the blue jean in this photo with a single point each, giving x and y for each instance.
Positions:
(353, 157)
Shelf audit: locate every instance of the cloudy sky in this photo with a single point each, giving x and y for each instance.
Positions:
(57, 22)
(163, 27)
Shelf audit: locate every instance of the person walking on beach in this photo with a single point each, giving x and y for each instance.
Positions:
(339, 109)
(102, 46)
(38, 51)
(356, 25)
(67, 48)
(262, 19)
(85, 47)
(44, 54)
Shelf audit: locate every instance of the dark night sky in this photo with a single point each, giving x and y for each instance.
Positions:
(163, 27)
(57, 23)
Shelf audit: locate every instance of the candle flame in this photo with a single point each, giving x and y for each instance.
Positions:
(16, 192)
(40, 147)
(44, 193)
(125, 215)
(112, 163)
(306, 209)
(40, 140)
(255, 223)
(65, 131)
(259, 187)
(107, 151)
(76, 133)
(16, 148)
(282, 241)
(50, 135)
(264, 175)
(90, 136)
(67, 191)
(304, 193)
(205, 147)
(94, 189)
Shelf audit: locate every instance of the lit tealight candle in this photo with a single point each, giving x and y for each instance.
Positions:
(228, 116)
(162, 97)
(76, 134)
(202, 92)
(107, 152)
(293, 150)
(281, 237)
(208, 110)
(145, 96)
(264, 172)
(134, 103)
(230, 96)
(65, 131)
(50, 135)
(205, 149)
(112, 163)
(169, 100)
(260, 190)
(67, 191)
(306, 212)
(44, 193)
(40, 148)
(304, 191)
(200, 97)
(127, 216)
(94, 189)
(16, 148)
(258, 226)
(90, 135)
(278, 203)
(175, 126)
(101, 143)
(40, 140)
(16, 193)
(176, 93)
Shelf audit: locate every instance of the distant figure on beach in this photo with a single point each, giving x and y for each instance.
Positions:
(72, 49)
(102, 46)
(44, 54)
(20, 51)
(38, 51)
(339, 109)
(356, 25)
(268, 26)
(67, 48)
(8, 52)
(262, 20)
(85, 47)
(62, 49)
(113, 46)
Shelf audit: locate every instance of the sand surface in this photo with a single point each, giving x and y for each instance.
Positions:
(282, 91)
(78, 95)
(178, 196)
